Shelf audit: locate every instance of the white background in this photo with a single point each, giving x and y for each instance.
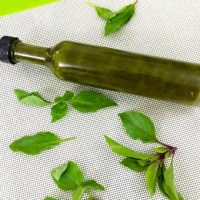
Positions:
(166, 28)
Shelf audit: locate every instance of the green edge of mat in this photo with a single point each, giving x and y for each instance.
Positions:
(13, 6)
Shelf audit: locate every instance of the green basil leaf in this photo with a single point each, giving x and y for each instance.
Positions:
(144, 162)
(88, 101)
(92, 185)
(67, 176)
(160, 150)
(49, 198)
(124, 151)
(78, 193)
(58, 171)
(85, 187)
(21, 94)
(66, 97)
(58, 111)
(37, 143)
(167, 155)
(169, 184)
(133, 164)
(34, 98)
(105, 13)
(122, 18)
(102, 12)
(138, 126)
(161, 171)
(151, 177)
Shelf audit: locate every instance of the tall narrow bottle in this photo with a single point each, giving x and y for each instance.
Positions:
(111, 69)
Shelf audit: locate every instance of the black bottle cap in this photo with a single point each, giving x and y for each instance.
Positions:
(5, 49)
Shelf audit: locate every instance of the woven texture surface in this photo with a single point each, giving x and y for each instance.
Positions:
(163, 28)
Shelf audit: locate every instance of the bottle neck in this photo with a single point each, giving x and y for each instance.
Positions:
(29, 53)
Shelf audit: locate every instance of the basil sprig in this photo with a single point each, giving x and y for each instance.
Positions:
(139, 126)
(84, 102)
(115, 20)
(68, 177)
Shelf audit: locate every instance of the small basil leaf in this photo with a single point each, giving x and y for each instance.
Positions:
(34, 98)
(133, 164)
(92, 185)
(85, 187)
(88, 101)
(78, 193)
(20, 94)
(138, 126)
(49, 198)
(102, 12)
(122, 18)
(58, 171)
(66, 97)
(169, 184)
(124, 151)
(168, 154)
(37, 143)
(160, 150)
(151, 177)
(67, 176)
(161, 171)
(58, 111)
(143, 162)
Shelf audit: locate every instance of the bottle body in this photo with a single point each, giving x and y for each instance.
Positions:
(122, 71)
(117, 70)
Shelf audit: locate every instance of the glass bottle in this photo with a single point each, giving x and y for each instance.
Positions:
(111, 69)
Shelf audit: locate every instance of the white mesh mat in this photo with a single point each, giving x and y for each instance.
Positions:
(163, 28)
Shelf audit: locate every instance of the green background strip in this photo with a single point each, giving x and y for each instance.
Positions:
(13, 6)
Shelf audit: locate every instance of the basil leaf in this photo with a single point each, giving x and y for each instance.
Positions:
(168, 154)
(169, 184)
(37, 143)
(88, 101)
(21, 94)
(124, 151)
(34, 98)
(161, 171)
(58, 111)
(78, 193)
(143, 162)
(49, 198)
(92, 185)
(102, 12)
(160, 150)
(133, 164)
(138, 126)
(105, 13)
(151, 177)
(85, 187)
(58, 171)
(122, 18)
(67, 176)
(66, 97)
